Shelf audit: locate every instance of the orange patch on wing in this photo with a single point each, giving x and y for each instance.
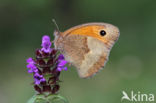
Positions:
(92, 31)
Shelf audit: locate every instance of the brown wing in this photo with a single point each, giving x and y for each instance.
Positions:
(74, 47)
(87, 54)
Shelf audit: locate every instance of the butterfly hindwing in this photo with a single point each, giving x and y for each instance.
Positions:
(87, 54)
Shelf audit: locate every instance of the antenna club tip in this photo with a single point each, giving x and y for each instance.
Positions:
(53, 20)
(56, 25)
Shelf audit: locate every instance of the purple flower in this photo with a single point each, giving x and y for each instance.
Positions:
(38, 78)
(30, 60)
(46, 44)
(33, 69)
(61, 57)
(31, 66)
(46, 62)
(61, 63)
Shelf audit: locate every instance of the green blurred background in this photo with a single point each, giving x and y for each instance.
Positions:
(132, 62)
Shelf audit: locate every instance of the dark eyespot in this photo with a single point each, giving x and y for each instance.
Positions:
(102, 33)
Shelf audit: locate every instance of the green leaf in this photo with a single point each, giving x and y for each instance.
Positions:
(38, 99)
(57, 99)
(52, 98)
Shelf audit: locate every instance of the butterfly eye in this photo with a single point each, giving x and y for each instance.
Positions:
(102, 33)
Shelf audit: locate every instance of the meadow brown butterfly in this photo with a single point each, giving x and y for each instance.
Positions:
(87, 46)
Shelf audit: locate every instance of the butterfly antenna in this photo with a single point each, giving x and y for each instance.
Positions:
(57, 28)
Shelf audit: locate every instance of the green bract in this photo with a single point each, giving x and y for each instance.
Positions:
(55, 98)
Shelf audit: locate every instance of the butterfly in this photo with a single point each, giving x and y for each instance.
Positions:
(87, 46)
